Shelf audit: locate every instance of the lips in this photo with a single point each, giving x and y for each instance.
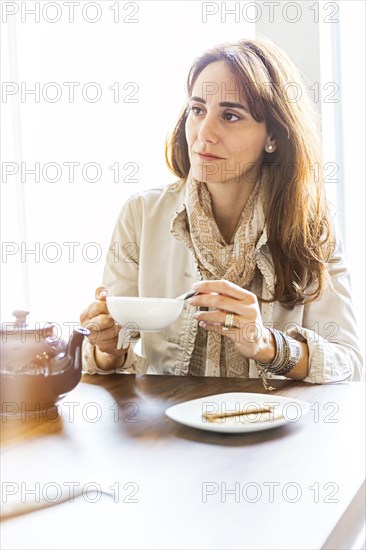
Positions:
(208, 156)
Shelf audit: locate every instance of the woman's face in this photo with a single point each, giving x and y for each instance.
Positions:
(219, 123)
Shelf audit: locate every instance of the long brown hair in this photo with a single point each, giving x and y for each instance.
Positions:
(298, 222)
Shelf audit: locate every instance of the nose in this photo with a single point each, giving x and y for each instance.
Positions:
(208, 130)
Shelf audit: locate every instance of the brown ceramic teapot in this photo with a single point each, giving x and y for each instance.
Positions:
(36, 368)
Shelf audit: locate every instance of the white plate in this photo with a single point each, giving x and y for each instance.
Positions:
(285, 410)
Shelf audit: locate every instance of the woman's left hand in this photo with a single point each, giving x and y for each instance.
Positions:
(251, 338)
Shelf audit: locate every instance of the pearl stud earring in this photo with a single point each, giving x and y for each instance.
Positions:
(269, 148)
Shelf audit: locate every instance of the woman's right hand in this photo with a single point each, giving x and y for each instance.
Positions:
(103, 332)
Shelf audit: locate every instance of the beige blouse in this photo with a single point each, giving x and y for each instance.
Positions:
(153, 263)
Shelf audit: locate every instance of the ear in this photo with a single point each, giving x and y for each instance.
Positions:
(270, 145)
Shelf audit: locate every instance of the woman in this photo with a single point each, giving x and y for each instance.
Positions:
(247, 223)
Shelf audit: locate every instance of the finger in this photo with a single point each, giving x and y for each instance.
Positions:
(249, 333)
(107, 336)
(110, 346)
(96, 308)
(99, 323)
(221, 302)
(123, 338)
(101, 292)
(218, 317)
(90, 314)
(231, 333)
(211, 327)
(84, 316)
(112, 339)
(224, 287)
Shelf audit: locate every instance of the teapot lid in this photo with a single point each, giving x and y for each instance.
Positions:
(11, 327)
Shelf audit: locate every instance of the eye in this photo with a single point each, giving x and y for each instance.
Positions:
(194, 110)
(231, 115)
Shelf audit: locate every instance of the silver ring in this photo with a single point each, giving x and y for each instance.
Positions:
(229, 321)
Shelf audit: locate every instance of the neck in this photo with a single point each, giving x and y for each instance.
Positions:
(228, 202)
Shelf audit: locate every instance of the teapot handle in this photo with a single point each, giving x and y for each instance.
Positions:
(74, 347)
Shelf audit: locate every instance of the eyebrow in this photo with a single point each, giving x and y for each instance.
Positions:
(228, 104)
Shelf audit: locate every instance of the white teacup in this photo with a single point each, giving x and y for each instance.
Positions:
(144, 314)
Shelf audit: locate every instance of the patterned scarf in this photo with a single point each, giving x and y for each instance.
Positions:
(235, 262)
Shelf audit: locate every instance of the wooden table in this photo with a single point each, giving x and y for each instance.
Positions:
(149, 482)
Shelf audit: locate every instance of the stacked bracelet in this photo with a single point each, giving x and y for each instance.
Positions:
(288, 353)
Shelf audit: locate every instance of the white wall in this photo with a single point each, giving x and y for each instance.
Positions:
(154, 54)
